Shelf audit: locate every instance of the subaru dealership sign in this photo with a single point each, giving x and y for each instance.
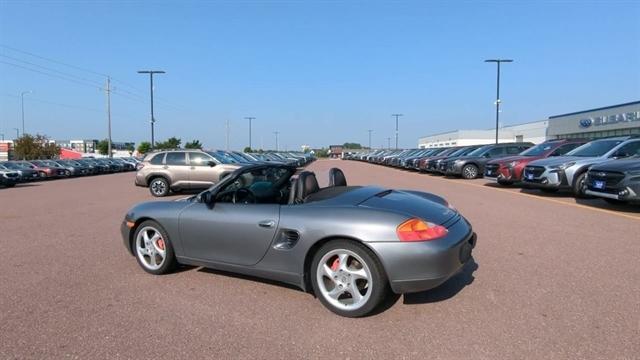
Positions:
(609, 119)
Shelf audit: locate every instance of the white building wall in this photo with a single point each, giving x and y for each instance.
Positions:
(535, 132)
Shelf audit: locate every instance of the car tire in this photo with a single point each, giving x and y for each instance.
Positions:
(340, 269)
(579, 186)
(159, 187)
(470, 171)
(153, 249)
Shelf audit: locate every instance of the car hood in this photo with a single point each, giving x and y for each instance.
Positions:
(155, 209)
(509, 159)
(559, 160)
(622, 165)
(411, 203)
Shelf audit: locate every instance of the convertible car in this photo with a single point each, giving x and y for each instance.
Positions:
(350, 246)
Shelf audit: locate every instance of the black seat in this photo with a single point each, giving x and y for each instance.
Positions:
(306, 184)
(337, 178)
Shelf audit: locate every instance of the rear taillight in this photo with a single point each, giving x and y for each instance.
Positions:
(418, 230)
(139, 166)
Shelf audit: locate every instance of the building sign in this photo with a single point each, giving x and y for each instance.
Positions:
(609, 119)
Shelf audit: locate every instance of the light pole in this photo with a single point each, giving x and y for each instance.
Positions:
(250, 118)
(153, 120)
(276, 132)
(396, 116)
(22, 104)
(370, 131)
(498, 62)
(389, 143)
(17, 133)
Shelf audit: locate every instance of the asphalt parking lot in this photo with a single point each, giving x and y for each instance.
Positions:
(552, 278)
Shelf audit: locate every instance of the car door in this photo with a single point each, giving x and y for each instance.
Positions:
(230, 233)
(175, 162)
(201, 174)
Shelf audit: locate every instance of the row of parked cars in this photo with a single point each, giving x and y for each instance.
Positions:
(15, 172)
(608, 168)
(169, 171)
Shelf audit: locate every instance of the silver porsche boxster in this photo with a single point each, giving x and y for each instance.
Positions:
(350, 246)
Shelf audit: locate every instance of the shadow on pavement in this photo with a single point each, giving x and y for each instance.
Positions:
(447, 290)
(250, 278)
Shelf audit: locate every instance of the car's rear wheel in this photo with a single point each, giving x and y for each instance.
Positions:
(470, 171)
(348, 278)
(153, 248)
(159, 187)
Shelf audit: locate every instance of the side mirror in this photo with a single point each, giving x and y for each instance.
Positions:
(207, 198)
(211, 163)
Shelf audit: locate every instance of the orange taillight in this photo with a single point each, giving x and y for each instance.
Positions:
(418, 230)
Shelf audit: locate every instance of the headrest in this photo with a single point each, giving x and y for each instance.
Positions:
(337, 178)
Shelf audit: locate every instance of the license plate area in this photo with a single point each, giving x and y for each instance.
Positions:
(599, 184)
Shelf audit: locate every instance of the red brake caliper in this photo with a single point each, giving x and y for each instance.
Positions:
(335, 264)
(160, 243)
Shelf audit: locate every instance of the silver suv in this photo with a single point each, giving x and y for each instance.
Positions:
(569, 171)
(175, 170)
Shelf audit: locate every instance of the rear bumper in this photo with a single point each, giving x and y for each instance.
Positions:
(419, 266)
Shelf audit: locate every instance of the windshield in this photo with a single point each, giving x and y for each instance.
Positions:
(223, 157)
(13, 166)
(537, 150)
(595, 148)
(479, 151)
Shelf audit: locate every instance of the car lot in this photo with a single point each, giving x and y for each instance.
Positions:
(553, 277)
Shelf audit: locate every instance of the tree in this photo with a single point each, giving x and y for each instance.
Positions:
(171, 143)
(130, 147)
(30, 147)
(247, 150)
(195, 144)
(103, 147)
(351, 146)
(144, 147)
(321, 152)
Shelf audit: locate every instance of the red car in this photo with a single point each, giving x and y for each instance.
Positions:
(506, 171)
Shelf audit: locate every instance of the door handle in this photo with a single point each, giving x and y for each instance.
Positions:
(267, 223)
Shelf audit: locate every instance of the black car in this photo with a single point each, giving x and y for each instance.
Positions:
(74, 168)
(9, 178)
(471, 166)
(617, 181)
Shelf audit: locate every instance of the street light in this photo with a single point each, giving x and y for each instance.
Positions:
(153, 120)
(396, 116)
(498, 62)
(17, 133)
(370, 131)
(22, 104)
(276, 132)
(250, 118)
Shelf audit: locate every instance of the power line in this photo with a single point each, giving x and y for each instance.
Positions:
(52, 70)
(49, 74)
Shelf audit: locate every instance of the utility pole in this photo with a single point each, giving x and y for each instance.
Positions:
(396, 116)
(153, 120)
(276, 132)
(22, 105)
(250, 118)
(108, 91)
(389, 143)
(498, 61)
(370, 131)
(17, 133)
(227, 122)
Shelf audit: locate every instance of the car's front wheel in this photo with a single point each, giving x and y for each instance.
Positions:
(159, 187)
(153, 248)
(470, 171)
(348, 278)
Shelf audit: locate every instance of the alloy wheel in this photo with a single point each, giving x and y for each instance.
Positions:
(151, 248)
(344, 279)
(158, 187)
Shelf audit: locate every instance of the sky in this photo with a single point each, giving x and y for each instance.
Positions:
(319, 73)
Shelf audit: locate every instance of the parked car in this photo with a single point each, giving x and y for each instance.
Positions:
(94, 167)
(45, 171)
(617, 181)
(259, 222)
(166, 171)
(568, 172)
(508, 170)
(472, 165)
(26, 173)
(56, 168)
(74, 167)
(9, 178)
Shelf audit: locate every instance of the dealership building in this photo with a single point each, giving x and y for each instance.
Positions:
(616, 120)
